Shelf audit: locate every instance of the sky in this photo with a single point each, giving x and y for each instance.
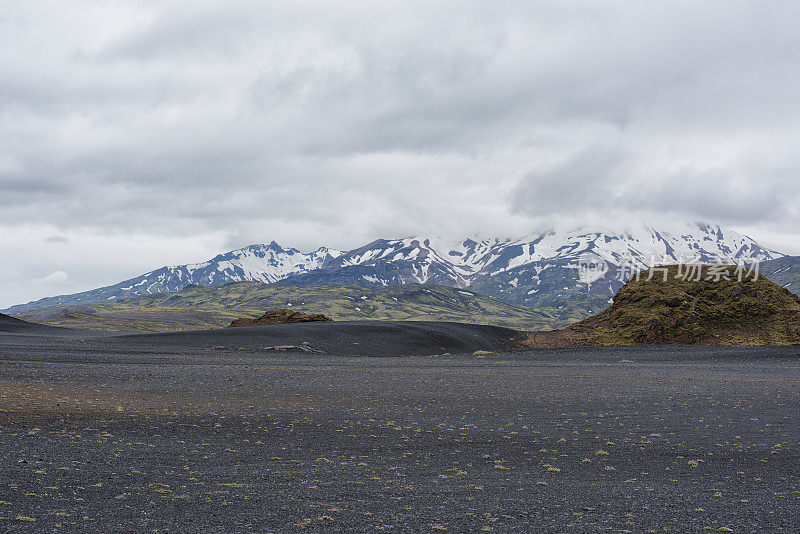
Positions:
(136, 134)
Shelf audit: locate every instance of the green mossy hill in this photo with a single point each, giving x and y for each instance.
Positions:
(725, 306)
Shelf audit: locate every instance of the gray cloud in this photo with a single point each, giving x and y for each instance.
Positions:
(217, 125)
(602, 181)
(585, 180)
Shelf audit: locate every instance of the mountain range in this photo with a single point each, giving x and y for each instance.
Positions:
(533, 271)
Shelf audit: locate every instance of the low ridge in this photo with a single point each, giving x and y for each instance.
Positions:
(12, 325)
(689, 304)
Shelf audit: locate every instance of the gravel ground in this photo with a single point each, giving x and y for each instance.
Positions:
(135, 435)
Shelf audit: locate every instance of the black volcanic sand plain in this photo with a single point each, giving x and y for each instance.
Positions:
(210, 433)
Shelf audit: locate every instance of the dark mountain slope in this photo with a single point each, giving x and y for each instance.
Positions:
(783, 271)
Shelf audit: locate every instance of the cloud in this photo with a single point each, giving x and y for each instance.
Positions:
(55, 278)
(85, 259)
(583, 181)
(335, 123)
(598, 182)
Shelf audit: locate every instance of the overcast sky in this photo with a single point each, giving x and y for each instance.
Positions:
(138, 134)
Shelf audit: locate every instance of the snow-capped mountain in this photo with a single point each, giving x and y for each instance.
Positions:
(256, 263)
(535, 270)
(540, 268)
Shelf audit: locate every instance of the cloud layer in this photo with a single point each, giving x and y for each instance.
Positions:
(210, 125)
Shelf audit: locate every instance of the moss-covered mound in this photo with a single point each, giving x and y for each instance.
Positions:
(280, 317)
(717, 305)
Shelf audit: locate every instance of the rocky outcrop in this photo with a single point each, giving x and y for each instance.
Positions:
(280, 317)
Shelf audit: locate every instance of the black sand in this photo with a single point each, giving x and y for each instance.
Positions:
(353, 338)
(149, 433)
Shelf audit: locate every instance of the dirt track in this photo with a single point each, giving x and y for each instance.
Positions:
(125, 435)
